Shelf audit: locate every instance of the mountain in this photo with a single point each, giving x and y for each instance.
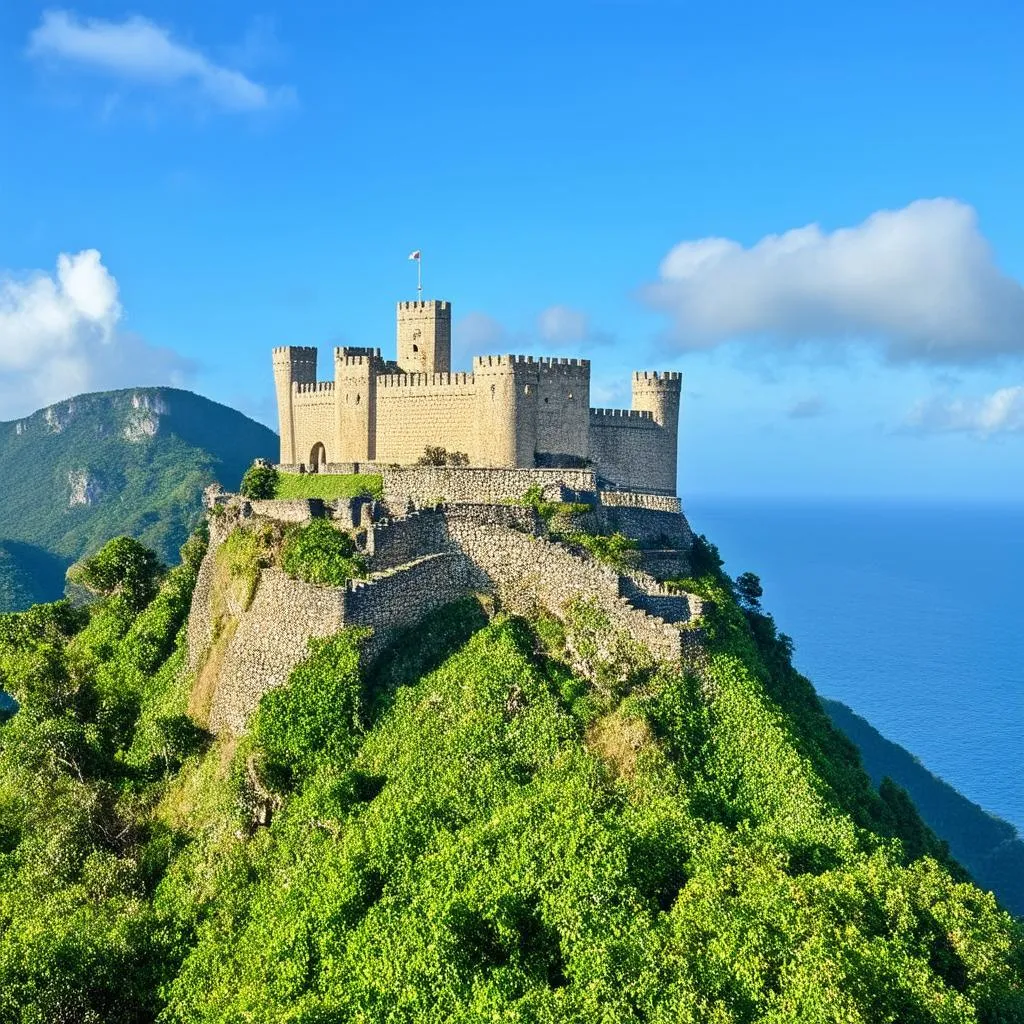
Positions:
(132, 462)
(987, 846)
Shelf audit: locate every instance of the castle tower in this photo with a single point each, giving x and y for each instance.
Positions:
(355, 403)
(659, 394)
(506, 410)
(293, 364)
(424, 334)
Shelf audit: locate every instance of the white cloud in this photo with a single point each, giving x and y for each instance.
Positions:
(920, 282)
(138, 49)
(59, 337)
(1001, 412)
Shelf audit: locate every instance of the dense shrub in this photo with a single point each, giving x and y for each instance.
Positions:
(260, 481)
(437, 456)
(123, 567)
(318, 716)
(320, 553)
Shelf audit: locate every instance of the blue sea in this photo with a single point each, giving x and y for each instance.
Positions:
(910, 614)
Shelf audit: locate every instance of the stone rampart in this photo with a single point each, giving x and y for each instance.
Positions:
(429, 485)
(272, 637)
(428, 559)
(394, 542)
(524, 571)
(648, 527)
(665, 563)
(288, 510)
(634, 499)
(402, 597)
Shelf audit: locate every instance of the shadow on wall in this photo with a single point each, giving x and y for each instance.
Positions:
(987, 846)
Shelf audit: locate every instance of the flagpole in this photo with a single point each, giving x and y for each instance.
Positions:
(419, 278)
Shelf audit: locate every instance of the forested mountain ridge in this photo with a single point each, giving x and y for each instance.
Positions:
(90, 468)
(478, 828)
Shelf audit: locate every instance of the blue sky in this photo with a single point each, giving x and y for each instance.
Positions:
(570, 171)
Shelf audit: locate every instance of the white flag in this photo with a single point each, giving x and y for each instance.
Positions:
(415, 255)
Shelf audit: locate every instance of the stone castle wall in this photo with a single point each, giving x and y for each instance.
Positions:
(629, 447)
(313, 415)
(415, 410)
(428, 559)
(395, 542)
(401, 598)
(428, 485)
(272, 637)
(525, 571)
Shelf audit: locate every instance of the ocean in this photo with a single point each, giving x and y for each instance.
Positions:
(909, 614)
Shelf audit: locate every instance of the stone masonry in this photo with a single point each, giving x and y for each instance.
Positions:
(418, 562)
(511, 411)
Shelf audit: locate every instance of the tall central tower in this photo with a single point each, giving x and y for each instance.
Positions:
(425, 336)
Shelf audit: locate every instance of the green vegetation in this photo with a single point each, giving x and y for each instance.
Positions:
(320, 553)
(329, 485)
(572, 523)
(503, 821)
(260, 481)
(135, 461)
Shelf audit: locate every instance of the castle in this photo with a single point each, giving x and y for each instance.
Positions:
(509, 412)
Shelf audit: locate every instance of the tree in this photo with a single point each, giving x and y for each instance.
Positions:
(260, 481)
(749, 589)
(123, 567)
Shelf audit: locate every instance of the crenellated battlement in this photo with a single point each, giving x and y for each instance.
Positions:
(315, 387)
(413, 380)
(432, 304)
(284, 352)
(356, 352)
(623, 414)
(658, 378)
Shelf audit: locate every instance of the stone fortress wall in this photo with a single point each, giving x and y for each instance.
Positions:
(418, 562)
(510, 411)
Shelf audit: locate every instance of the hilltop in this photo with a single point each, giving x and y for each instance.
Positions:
(118, 462)
(542, 788)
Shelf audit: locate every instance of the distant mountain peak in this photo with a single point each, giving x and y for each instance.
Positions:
(97, 465)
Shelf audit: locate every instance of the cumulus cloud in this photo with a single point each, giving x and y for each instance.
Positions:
(921, 282)
(806, 408)
(59, 336)
(139, 50)
(1001, 412)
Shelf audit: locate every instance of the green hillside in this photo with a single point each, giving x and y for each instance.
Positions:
(121, 462)
(988, 847)
(473, 831)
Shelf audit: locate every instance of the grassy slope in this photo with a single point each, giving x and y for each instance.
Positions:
(151, 488)
(328, 485)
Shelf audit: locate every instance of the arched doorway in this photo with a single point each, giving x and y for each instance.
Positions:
(317, 457)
